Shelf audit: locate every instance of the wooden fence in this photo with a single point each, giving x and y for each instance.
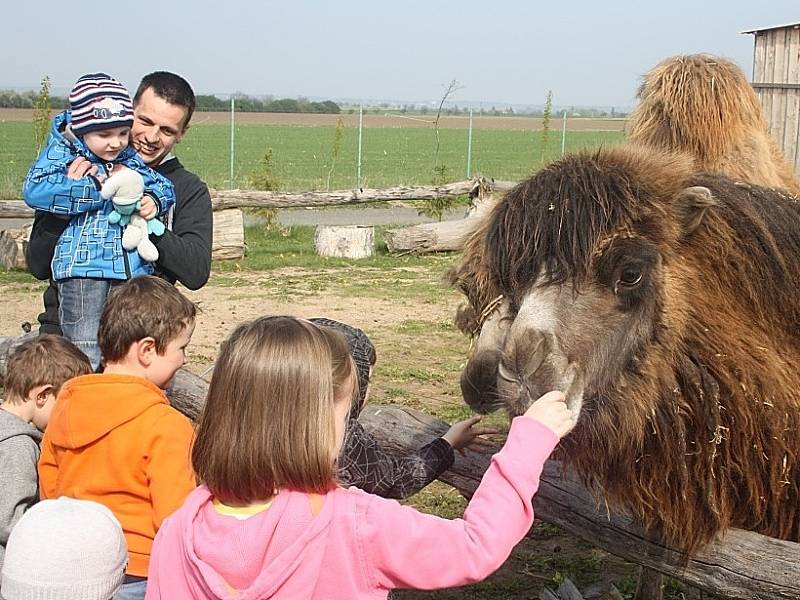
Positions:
(226, 199)
(229, 220)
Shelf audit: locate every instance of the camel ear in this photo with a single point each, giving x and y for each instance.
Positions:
(691, 205)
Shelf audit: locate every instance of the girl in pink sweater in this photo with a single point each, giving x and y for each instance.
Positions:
(270, 520)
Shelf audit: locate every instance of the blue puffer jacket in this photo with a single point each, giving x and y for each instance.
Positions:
(90, 246)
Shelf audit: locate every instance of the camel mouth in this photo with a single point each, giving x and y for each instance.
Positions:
(517, 396)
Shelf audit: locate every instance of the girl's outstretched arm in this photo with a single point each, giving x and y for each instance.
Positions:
(406, 548)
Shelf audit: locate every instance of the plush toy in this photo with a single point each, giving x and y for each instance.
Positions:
(126, 188)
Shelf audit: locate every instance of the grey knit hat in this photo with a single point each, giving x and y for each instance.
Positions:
(361, 349)
(65, 549)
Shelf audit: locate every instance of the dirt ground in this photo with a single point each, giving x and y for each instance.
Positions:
(372, 120)
(233, 298)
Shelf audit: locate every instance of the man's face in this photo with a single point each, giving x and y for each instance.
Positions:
(157, 127)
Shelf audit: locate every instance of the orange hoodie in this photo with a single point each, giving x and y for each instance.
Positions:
(116, 440)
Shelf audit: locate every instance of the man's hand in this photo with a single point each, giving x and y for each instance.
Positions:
(81, 167)
(147, 208)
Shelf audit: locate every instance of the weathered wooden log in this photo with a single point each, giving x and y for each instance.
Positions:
(187, 393)
(228, 239)
(446, 235)
(430, 237)
(15, 209)
(344, 241)
(222, 199)
(743, 564)
(258, 199)
(650, 585)
(255, 199)
(565, 591)
(7, 344)
(12, 247)
(228, 234)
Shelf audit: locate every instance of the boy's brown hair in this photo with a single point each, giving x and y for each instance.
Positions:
(43, 360)
(142, 307)
(268, 422)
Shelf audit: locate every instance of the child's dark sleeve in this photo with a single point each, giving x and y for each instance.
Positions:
(364, 464)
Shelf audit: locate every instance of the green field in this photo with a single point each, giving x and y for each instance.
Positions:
(302, 154)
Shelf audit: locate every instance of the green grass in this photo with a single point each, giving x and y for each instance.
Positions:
(301, 154)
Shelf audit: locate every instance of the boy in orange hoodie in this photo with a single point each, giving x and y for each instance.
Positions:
(113, 437)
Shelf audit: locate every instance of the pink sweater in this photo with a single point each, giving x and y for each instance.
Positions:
(357, 545)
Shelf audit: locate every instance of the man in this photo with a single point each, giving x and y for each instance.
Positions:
(162, 108)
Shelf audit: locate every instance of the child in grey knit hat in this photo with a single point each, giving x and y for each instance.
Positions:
(65, 549)
(365, 464)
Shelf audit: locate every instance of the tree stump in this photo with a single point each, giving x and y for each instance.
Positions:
(12, 247)
(349, 241)
(228, 234)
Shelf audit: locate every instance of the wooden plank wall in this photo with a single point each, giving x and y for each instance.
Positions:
(776, 61)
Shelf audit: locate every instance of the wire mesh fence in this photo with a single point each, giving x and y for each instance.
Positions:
(303, 152)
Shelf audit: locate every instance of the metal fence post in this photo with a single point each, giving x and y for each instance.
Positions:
(358, 163)
(469, 146)
(563, 133)
(232, 142)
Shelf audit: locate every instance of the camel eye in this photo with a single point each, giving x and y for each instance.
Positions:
(629, 278)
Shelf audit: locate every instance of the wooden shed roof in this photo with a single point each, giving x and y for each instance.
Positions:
(760, 29)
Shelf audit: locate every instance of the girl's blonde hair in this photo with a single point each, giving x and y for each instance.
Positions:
(268, 421)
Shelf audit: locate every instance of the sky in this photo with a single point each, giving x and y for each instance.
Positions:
(503, 51)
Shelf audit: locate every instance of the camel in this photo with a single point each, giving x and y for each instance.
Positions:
(703, 105)
(663, 302)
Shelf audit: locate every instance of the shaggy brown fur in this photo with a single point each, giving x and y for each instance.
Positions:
(703, 105)
(698, 429)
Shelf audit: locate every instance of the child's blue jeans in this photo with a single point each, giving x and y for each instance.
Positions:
(132, 591)
(81, 303)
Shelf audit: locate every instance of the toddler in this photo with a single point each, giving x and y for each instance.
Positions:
(89, 256)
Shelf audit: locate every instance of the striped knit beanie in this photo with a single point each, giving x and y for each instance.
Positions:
(98, 101)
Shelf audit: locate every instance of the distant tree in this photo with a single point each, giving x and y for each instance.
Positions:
(284, 105)
(331, 107)
(211, 103)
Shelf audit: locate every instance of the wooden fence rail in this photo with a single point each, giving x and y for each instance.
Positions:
(223, 199)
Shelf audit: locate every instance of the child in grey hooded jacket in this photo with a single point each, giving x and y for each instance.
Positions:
(35, 372)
